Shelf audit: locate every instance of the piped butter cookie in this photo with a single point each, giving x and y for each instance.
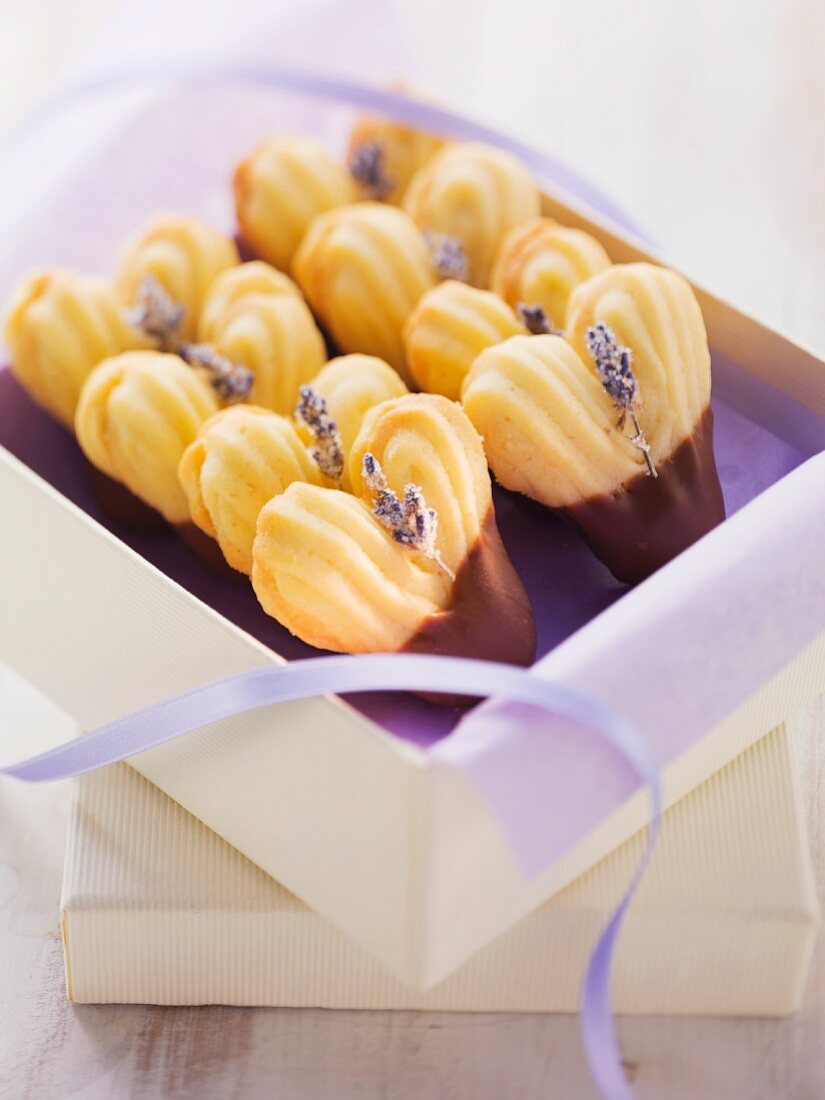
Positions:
(256, 316)
(363, 269)
(59, 325)
(541, 263)
(184, 256)
(242, 457)
(137, 414)
(280, 187)
(448, 329)
(412, 562)
(466, 199)
(614, 428)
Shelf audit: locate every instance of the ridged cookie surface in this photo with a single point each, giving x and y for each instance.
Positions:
(542, 262)
(476, 194)
(427, 440)
(58, 327)
(280, 187)
(328, 572)
(653, 311)
(551, 431)
(256, 316)
(363, 268)
(351, 385)
(448, 329)
(137, 414)
(243, 457)
(239, 284)
(184, 255)
(548, 426)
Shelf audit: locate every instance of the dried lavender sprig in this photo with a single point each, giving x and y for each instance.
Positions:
(613, 364)
(156, 314)
(447, 256)
(230, 381)
(328, 451)
(410, 522)
(367, 166)
(535, 320)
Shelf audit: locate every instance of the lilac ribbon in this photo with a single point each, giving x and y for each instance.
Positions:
(306, 679)
(161, 722)
(403, 108)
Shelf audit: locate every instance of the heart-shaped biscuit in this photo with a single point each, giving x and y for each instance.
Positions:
(58, 326)
(554, 432)
(184, 255)
(473, 194)
(257, 317)
(410, 564)
(137, 414)
(541, 263)
(334, 577)
(242, 457)
(424, 439)
(447, 331)
(280, 187)
(363, 268)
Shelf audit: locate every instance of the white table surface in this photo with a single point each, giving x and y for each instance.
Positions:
(707, 122)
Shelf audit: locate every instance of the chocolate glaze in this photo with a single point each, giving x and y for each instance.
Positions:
(490, 617)
(121, 505)
(207, 551)
(650, 520)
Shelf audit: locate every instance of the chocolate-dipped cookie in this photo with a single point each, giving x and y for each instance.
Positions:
(447, 331)
(363, 268)
(136, 415)
(279, 188)
(540, 263)
(466, 199)
(58, 326)
(405, 565)
(614, 427)
(181, 254)
(256, 316)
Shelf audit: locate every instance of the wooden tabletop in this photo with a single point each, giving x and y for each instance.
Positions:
(706, 123)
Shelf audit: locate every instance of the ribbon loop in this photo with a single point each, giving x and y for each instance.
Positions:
(163, 721)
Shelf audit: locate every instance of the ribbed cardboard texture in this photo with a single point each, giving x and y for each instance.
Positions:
(157, 908)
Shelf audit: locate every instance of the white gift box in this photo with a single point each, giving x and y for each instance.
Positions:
(158, 909)
(398, 842)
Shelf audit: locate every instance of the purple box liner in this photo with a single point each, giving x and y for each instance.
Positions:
(566, 584)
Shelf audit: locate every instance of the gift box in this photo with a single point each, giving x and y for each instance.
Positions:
(158, 909)
(420, 832)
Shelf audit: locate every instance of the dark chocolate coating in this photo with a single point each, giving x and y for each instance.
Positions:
(208, 552)
(650, 520)
(490, 617)
(121, 506)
